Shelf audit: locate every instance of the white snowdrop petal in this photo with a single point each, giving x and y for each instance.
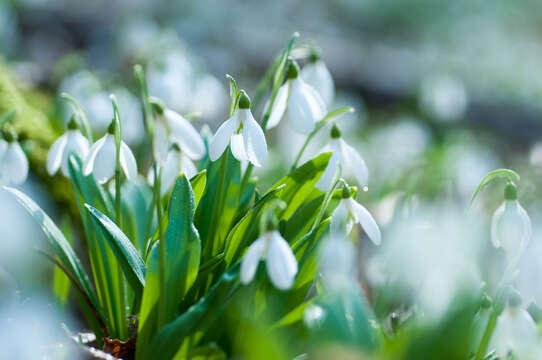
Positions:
(281, 262)
(15, 167)
(252, 258)
(185, 133)
(318, 105)
(318, 76)
(353, 164)
(54, 156)
(366, 220)
(77, 144)
(88, 164)
(187, 167)
(170, 171)
(238, 147)
(105, 159)
(511, 227)
(222, 137)
(279, 106)
(301, 115)
(254, 138)
(339, 219)
(127, 161)
(326, 180)
(160, 142)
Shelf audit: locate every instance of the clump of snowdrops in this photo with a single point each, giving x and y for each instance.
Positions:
(188, 257)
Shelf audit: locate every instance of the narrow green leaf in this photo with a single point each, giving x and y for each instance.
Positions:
(198, 183)
(299, 184)
(137, 211)
(131, 263)
(62, 248)
(148, 316)
(508, 174)
(61, 282)
(182, 247)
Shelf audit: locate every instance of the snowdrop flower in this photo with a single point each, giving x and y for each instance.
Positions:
(71, 141)
(303, 104)
(510, 225)
(280, 261)
(243, 133)
(338, 261)
(176, 163)
(317, 75)
(13, 161)
(171, 125)
(348, 212)
(101, 158)
(352, 164)
(516, 333)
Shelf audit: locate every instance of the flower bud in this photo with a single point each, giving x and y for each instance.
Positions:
(157, 104)
(347, 193)
(486, 302)
(314, 56)
(10, 135)
(514, 298)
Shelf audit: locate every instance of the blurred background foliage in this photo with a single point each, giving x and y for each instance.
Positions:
(444, 92)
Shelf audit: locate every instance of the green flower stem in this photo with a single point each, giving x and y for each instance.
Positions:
(325, 204)
(161, 248)
(85, 124)
(498, 306)
(218, 203)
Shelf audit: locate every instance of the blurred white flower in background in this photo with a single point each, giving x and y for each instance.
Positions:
(530, 271)
(516, 334)
(396, 147)
(433, 254)
(33, 330)
(444, 97)
(337, 262)
(86, 88)
(13, 162)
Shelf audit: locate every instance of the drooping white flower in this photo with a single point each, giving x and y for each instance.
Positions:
(317, 75)
(338, 261)
(71, 141)
(510, 225)
(101, 158)
(172, 126)
(351, 163)
(280, 261)
(13, 161)
(243, 133)
(516, 334)
(303, 104)
(350, 212)
(176, 163)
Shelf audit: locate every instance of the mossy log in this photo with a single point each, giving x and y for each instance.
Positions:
(34, 125)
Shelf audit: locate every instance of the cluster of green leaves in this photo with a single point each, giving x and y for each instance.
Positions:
(175, 278)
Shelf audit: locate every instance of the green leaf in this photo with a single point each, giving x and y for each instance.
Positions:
(198, 183)
(182, 250)
(61, 282)
(106, 270)
(188, 329)
(137, 201)
(299, 184)
(61, 246)
(131, 263)
(181, 246)
(508, 174)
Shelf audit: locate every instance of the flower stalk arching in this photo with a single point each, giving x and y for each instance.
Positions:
(82, 116)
